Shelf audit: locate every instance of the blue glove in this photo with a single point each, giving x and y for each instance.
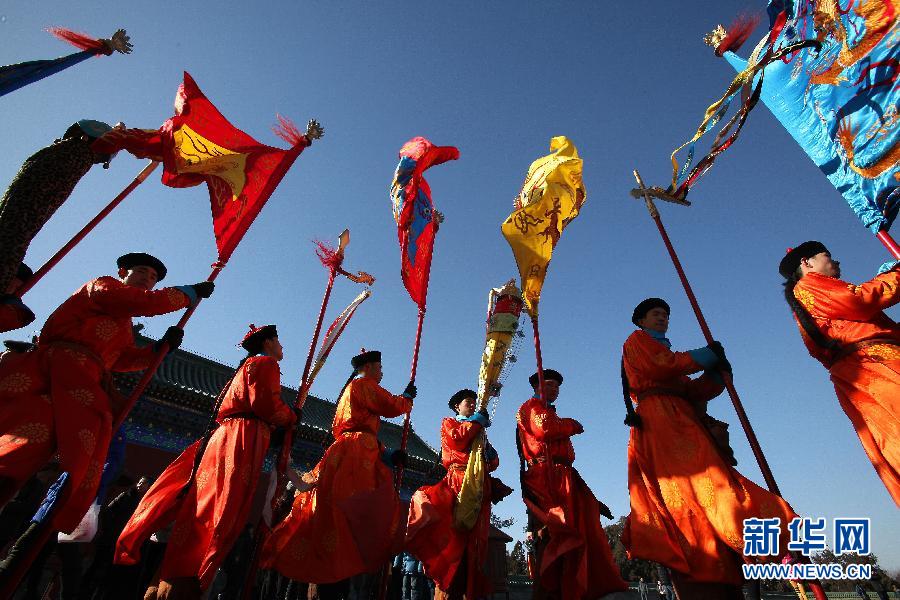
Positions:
(482, 418)
(888, 266)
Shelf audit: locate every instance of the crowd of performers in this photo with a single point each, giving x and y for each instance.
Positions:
(345, 520)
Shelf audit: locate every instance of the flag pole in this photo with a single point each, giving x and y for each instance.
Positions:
(398, 478)
(885, 238)
(150, 371)
(726, 377)
(39, 274)
(707, 334)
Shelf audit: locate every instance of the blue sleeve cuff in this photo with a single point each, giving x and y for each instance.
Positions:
(888, 266)
(706, 357)
(480, 419)
(189, 292)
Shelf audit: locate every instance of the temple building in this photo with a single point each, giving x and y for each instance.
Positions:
(175, 409)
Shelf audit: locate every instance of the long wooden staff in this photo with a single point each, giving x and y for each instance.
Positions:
(704, 326)
(39, 274)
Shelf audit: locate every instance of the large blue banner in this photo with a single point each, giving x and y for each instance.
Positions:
(840, 101)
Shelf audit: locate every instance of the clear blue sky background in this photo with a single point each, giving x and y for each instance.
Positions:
(627, 82)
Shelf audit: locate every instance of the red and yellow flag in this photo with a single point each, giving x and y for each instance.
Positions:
(199, 145)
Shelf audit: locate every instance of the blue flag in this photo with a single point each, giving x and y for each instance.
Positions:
(841, 102)
(13, 77)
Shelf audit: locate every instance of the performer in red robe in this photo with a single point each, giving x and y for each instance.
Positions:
(453, 553)
(688, 503)
(13, 312)
(60, 397)
(210, 516)
(574, 558)
(844, 327)
(352, 521)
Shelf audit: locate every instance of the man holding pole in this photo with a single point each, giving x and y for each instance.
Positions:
(449, 521)
(60, 397)
(844, 327)
(351, 522)
(574, 558)
(688, 503)
(212, 510)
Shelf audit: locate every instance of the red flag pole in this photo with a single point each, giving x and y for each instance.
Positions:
(141, 177)
(729, 383)
(160, 355)
(885, 238)
(398, 479)
(704, 327)
(398, 476)
(538, 355)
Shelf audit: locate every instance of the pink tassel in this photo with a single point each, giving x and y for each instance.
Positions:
(287, 131)
(330, 257)
(80, 40)
(738, 32)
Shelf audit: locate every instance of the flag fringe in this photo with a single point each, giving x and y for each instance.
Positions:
(287, 131)
(80, 40)
(330, 257)
(737, 33)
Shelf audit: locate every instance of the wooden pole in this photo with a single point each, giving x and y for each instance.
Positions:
(141, 177)
(729, 383)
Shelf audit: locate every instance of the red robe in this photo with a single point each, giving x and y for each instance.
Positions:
(211, 516)
(352, 521)
(454, 558)
(14, 314)
(687, 504)
(577, 561)
(57, 398)
(866, 374)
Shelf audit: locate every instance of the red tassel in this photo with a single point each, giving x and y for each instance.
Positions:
(330, 257)
(738, 32)
(287, 131)
(80, 40)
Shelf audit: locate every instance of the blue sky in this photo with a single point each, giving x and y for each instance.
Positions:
(627, 82)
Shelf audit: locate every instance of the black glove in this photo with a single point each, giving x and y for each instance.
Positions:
(398, 458)
(604, 510)
(410, 391)
(173, 337)
(719, 351)
(204, 289)
(632, 419)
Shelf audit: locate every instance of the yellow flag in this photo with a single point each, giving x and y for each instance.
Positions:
(471, 491)
(550, 198)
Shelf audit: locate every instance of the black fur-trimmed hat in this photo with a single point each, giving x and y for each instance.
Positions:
(548, 374)
(365, 357)
(641, 310)
(791, 261)
(142, 259)
(255, 337)
(24, 273)
(459, 396)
